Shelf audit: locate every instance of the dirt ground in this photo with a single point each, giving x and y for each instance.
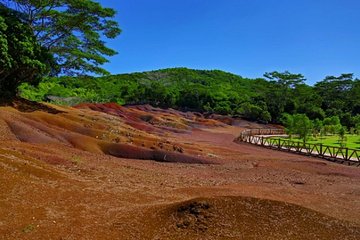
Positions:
(102, 171)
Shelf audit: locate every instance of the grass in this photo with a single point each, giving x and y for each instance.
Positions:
(351, 141)
(76, 160)
(28, 228)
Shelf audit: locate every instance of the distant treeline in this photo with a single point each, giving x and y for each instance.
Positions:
(263, 99)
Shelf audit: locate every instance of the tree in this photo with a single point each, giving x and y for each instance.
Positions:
(317, 126)
(302, 126)
(288, 121)
(21, 58)
(346, 120)
(254, 113)
(336, 93)
(355, 97)
(355, 120)
(298, 124)
(356, 123)
(342, 137)
(334, 120)
(279, 95)
(307, 101)
(286, 79)
(71, 30)
(357, 129)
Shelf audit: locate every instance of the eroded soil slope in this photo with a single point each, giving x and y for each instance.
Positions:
(103, 171)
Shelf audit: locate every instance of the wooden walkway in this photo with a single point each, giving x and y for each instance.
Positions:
(267, 138)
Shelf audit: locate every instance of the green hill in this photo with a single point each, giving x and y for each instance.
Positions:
(208, 91)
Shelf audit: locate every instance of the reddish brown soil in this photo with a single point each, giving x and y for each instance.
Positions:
(80, 173)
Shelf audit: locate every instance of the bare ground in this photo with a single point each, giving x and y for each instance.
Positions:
(81, 174)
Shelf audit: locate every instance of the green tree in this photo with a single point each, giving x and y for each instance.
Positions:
(317, 126)
(334, 120)
(279, 96)
(288, 121)
(346, 119)
(355, 97)
(286, 79)
(307, 101)
(336, 93)
(21, 58)
(356, 122)
(71, 30)
(254, 113)
(302, 126)
(298, 124)
(342, 137)
(357, 129)
(332, 125)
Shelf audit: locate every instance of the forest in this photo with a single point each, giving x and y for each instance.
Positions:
(266, 99)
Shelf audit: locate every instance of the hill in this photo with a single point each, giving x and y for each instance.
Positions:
(212, 91)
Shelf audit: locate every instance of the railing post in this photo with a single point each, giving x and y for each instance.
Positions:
(346, 154)
(279, 144)
(321, 152)
(262, 141)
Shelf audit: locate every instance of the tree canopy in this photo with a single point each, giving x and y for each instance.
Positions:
(72, 31)
(285, 79)
(22, 59)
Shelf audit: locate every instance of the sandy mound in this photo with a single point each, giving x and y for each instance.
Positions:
(131, 133)
(245, 218)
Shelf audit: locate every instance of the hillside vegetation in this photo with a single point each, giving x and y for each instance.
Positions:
(212, 91)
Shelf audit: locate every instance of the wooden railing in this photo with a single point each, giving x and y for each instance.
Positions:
(338, 154)
(262, 131)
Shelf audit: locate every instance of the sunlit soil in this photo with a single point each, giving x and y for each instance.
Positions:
(109, 172)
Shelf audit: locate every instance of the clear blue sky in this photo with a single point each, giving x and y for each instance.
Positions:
(246, 37)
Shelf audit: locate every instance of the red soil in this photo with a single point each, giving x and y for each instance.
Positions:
(103, 171)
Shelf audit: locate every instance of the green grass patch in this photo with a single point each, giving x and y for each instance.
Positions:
(28, 228)
(76, 160)
(351, 141)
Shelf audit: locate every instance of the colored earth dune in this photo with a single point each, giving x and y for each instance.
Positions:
(104, 171)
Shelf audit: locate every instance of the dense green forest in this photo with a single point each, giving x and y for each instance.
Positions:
(263, 99)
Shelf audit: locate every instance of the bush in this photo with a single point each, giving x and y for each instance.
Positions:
(298, 124)
(253, 112)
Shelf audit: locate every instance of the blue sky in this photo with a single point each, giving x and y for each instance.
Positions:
(246, 37)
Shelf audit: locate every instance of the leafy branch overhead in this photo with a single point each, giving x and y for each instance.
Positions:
(21, 58)
(71, 30)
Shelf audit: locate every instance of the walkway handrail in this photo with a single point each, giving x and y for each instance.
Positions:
(333, 153)
(261, 131)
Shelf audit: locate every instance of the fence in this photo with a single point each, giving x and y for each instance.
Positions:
(332, 153)
(262, 131)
